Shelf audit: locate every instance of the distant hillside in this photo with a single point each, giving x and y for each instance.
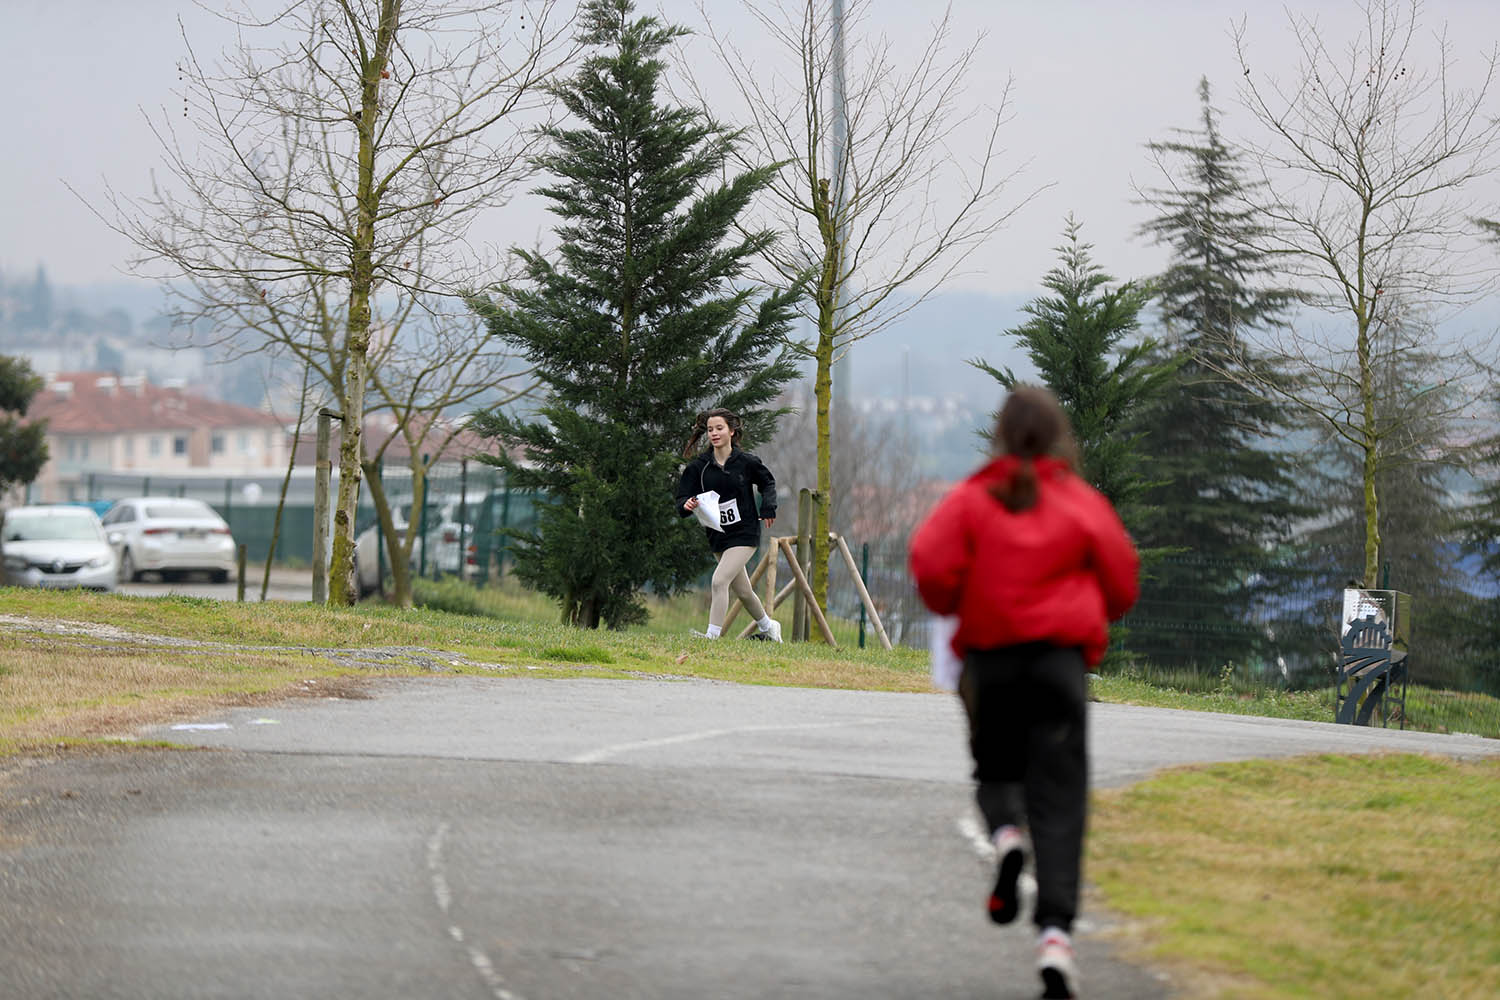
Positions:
(925, 353)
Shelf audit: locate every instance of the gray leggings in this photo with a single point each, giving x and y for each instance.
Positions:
(730, 574)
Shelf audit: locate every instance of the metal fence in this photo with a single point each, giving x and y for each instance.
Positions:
(488, 507)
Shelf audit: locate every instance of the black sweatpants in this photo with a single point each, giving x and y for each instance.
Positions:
(1028, 729)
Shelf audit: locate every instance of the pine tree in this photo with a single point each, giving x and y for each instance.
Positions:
(1078, 339)
(642, 320)
(1226, 498)
(1227, 493)
(23, 446)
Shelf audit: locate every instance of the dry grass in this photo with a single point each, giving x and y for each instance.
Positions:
(69, 690)
(1319, 876)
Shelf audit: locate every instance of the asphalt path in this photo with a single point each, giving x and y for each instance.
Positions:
(284, 585)
(516, 838)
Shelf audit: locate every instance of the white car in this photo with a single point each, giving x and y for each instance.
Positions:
(170, 536)
(369, 558)
(56, 546)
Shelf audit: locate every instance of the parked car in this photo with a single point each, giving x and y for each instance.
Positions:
(369, 560)
(445, 534)
(56, 546)
(441, 542)
(170, 536)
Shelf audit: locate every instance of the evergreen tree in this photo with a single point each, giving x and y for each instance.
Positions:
(1226, 497)
(642, 321)
(1226, 493)
(1077, 338)
(23, 446)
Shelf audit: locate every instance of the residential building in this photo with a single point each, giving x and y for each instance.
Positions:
(100, 422)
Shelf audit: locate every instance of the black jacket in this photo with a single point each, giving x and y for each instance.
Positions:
(733, 482)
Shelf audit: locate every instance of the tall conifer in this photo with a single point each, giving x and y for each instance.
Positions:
(1226, 491)
(638, 321)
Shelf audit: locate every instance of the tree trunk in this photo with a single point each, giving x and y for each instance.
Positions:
(823, 496)
(1369, 440)
(828, 299)
(341, 590)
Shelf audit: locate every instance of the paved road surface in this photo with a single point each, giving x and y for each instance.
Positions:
(284, 585)
(524, 839)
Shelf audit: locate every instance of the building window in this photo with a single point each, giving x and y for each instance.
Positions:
(216, 444)
(179, 445)
(155, 446)
(130, 447)
(85, 450)
(72, 450)
(242, 442)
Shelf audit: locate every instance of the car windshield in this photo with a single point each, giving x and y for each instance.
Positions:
(179, 509)
(48, 527)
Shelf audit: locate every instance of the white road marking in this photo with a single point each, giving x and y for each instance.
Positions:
(614, 750)
(444, 896)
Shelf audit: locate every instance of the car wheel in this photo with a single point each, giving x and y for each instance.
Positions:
(128, 572)
(220, 576)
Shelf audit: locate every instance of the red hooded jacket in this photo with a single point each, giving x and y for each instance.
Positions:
(1059, 571)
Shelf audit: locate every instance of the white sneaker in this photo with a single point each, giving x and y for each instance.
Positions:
(1054, 963)
(774, 632)
(701, 635)
(1010, 853)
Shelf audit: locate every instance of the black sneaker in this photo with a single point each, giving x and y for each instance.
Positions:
(758, 637)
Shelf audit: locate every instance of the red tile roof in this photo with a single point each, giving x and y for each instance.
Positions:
(102, 403)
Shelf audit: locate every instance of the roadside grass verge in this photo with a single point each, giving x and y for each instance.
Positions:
(1316, 876)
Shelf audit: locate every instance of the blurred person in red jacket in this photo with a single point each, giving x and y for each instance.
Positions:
(1033, 564)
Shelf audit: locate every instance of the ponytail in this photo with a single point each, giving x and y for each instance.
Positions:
(1032, 423)
(699, 426)
(1018, 493)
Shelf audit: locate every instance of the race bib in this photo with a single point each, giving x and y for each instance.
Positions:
(729, 513)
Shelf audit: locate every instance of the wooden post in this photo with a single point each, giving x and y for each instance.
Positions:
(804, 545)
(240, 560)
(772, 558)
(806, 589)
(321, 474)
(859, 583)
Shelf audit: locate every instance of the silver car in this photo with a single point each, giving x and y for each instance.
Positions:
(56, 546)
(170, 536)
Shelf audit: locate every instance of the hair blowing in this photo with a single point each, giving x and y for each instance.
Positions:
(700, 427)
(1032, 423)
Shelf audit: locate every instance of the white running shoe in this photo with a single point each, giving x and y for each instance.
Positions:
(1054, 963)
(1010, 853)
(774, 632)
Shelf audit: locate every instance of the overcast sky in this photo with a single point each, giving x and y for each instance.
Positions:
(1093, 82)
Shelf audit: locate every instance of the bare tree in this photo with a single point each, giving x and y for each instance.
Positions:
(874, 197)
(1372, 156)
(340, 162)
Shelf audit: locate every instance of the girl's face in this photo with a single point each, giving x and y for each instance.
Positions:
(718, 432)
